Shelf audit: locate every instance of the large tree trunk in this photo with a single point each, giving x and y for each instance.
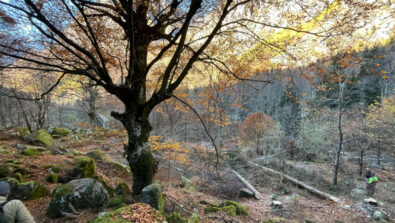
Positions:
(139, 155)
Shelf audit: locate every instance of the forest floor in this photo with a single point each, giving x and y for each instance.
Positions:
(298, 205)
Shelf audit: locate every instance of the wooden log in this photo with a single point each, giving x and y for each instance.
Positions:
(298, 183)
(248, 185)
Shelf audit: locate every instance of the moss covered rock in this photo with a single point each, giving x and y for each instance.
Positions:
(175, 217)
(232, 208)
(28, 191)
(22, 131)
(131, 213)
(41, 137)
(18, 176)
(52, 178)
(60, 132)
(152, 195)
(97, 155)
(240, 209)
(120, 167)
(6, 170)
(122, 189)
(81, 194)
(31, 152)
(86, 167)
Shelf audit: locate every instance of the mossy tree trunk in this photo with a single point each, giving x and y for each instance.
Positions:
(139, 155)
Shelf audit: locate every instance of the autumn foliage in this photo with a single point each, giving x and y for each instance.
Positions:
(254, 127)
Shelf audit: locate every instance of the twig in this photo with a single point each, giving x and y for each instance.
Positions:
(205, 129)
(171, 199)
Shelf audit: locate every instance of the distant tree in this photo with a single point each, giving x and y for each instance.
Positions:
(256, 131)
(337, 90)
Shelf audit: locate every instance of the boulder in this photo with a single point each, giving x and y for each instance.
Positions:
(152, 195)
(59, 132)
(6, 170)
(131, 213)
(357, 193)
(27, 191)
(41, 137)
(86, 167)
(80, 194)
(245, 192)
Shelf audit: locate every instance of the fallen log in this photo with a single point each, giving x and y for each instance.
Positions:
(248, 185)
(298, 183)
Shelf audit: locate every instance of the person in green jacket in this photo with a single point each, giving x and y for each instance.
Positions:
(371, 184)
(14, 210)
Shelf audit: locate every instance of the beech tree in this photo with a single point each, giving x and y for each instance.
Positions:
(142, 51)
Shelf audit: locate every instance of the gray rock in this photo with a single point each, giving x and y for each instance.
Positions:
(101, 120)
(101, 214)
(245, 192)
(152, 195)
(273, 196)
(105, 147)
(81, 194)
(378, 216)
(357, 193)
(371, 201)
(276, 204)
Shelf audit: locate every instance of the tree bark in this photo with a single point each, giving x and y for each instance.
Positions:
(139, 155)
(24, 115)
(257, 194)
